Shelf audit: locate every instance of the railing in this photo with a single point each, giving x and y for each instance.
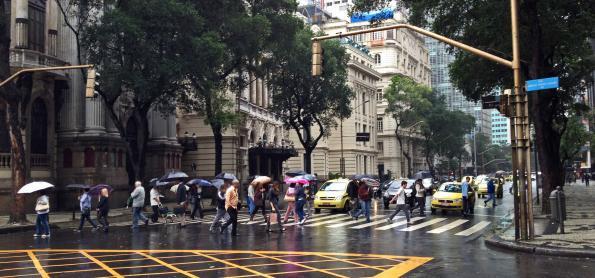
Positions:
(25, 58)
(40, 160)
(5, 160)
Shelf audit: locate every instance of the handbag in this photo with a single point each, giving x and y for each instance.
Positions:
(42, 207)
(289, 198)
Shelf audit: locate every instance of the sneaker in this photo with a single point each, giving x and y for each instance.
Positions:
(36, 235)
(485, 204)
(45, 236)
(147, 222)
(389, 221)
(77, 230)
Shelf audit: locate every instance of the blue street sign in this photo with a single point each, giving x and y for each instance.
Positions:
(542, 84)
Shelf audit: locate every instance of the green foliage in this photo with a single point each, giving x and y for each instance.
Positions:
(408, 101)
(574, 139)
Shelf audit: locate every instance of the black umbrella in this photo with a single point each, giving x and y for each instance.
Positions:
(294, 173)
(226, 176)
(95, 190)
(173, 176)
(78, 186)
(154, 182)
(361, 176)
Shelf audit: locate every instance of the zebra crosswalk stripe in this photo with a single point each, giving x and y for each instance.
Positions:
(448, 226)
(316, 219)
(352, 222)
(425, 224)
(400, 223)
(476, 228)
(373, 223)
(328, 221)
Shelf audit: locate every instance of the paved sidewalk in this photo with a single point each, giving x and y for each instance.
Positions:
(578, 239)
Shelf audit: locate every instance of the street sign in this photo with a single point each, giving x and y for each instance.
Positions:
(490, 102)
(542, 84)
(362, 137)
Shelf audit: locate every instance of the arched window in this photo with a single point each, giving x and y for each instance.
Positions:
(67, 158)
(89, 157)
(377, 59)
(39, 127)
(120, 159)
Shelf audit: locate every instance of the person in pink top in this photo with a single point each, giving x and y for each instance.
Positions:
(290, 199)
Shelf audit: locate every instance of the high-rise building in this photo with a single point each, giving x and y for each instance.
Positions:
(500, 129)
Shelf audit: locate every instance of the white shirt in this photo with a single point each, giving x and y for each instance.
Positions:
(43, 200)
(401, 196)
(154, 197)
(420, 190)
(251, 191)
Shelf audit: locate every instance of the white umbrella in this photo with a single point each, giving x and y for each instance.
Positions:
(35, 186)
(175, 188)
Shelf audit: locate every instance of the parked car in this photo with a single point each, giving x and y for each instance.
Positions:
(449, 197)
(391, 190)
(332, 195)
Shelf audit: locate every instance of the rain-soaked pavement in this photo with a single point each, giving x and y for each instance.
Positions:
(329, 245)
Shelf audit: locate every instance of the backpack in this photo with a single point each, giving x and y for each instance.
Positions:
(363, 193)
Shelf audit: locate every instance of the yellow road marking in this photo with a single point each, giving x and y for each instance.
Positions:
(403, 268)
(37, 265)
(350, 262)
(301, 265)
(232, 264)
(303, 271)
(168, 265)
(102, 265)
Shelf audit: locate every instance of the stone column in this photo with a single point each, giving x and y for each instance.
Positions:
(53, 12)
(94, 116)
(21, 28)
(265, 94)
(157, 126)
(252, 86)
(171, 128)
(259, 96)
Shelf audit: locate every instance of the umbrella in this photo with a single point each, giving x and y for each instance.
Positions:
(78, 186)
(199, 182)
(217, 183)
(174, 176)
(308, 177)
(154, 182)
(35, 186)
(294, 173)
(226, 176)
(175, 188)
(95, 190)
(371, 182)
(261, 180)
(360, 176)
(297, 180)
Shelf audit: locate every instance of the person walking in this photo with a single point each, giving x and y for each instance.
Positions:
(364, 195)
(182, 202)
(491, 194)
(290, 199)
(465, 193)
(300, 197)
(155, 201)
(103, 209)
(42, 222)
(273, 197)
(259, 201)
(420, 196)
(220, 198)
(138, 203)
(85, 205)
(250, 199)
(231, 206)
(352, 194)
(587, 179)
(399, 198)
(196, 195)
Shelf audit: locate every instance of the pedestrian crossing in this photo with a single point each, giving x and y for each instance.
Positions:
(429, 225)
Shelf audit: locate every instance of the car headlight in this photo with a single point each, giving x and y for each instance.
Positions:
(316, 197)
(457, 200)
(434, 199)
(338, 198)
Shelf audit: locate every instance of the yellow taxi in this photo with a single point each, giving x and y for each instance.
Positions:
(482, 186)
(332, 195)
(449, 197)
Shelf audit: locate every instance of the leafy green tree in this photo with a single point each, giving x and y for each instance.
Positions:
(408, 104)
(574, 139)
(553, 41)
(304, 102)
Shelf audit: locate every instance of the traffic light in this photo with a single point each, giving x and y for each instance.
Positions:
(90, 89)
(316, 58)
(505, 107)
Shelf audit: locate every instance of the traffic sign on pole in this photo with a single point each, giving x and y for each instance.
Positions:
(542, 84)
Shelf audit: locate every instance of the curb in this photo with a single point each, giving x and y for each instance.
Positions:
(23, 228)
(496, 241)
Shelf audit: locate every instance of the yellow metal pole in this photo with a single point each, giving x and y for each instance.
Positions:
(42, 69)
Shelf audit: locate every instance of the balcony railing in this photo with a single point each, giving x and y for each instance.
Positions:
(25, 58)
(40, 160)
(5, 160)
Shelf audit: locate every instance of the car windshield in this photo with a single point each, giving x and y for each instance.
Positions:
(334, 186)
(450, 187)
(395, 185)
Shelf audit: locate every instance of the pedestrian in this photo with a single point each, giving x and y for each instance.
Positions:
(352, 194)
(155, 203)
(220, 198)
(399, 198)
(587, 178)
(300, 197)
(309, 188)
(273, 197)
(290, 199)
(410, 196)
(103, 209)
(259, 201)
(138, 203)
(420, 195)
(364, 195)
(250, 199)
(85, 205)
(196, 195)
(465, 193)
(182, 203)
(491, 194)
(231, 206)
(42, 222)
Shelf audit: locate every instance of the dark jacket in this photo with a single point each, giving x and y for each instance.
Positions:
(220, 200)
(352, 190)
(103, 205)
(364, 193)
(273, 196)
(491, 187)
(300, 193)
(181, 193)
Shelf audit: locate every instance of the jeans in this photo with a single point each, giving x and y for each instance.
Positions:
(42, 224)
(251, 205)
(137, 214)
(465, 205)
(299, 209)
(365, 209)
(421, 204)
(86, 214)
(216, 221)
(196, 207)
(491, 197)
(404, 208)
(290, 208)
(233, 221)
(353, 202)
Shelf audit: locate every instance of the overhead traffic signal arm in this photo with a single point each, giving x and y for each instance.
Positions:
(317, 58)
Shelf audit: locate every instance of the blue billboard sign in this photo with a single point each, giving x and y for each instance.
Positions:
(542, 84)
(375, 15)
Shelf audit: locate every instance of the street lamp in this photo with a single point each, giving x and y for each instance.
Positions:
(342, 162)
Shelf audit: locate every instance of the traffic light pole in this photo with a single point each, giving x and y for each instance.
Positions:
(42, 69)
(520, 134)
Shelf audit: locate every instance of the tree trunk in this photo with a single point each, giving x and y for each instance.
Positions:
(17, 209)
(137, 147)
(406, 154)
(218, 137)
(308, 160)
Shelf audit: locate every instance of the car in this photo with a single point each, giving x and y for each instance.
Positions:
(482, 187)
(391, 190)
(449, 197)
(332, 195)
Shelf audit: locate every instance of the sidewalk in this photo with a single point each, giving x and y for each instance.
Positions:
(63, 219)
(578, 239)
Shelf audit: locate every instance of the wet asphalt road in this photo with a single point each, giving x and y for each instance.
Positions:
(462, 255)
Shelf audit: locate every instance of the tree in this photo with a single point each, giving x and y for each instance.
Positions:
(305, 102)
(553, 41)
(408, 102)
(574, 139)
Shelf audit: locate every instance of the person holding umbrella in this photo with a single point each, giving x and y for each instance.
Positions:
(103, 209)
(259, 201)
(231, 205)
(273, 197)
(42, 208)
(155, 203)
(138, 203)
(195, 195)
(220, 207)
(182, 200)
(85, 204)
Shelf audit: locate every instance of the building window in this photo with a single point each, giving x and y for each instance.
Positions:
(380, 146)
(39, 127)
(89, 157)
(377, 59)
(67, 158)
(364, 104)
(380, 124)
(37, 25)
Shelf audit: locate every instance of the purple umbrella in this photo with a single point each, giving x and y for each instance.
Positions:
(96, 190)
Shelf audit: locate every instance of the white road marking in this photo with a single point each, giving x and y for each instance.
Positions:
(317, 219)
(448, 226)
(476, 228)
(425, 224)
(373, 223)
(400, 223)
(353, 222)
(328, 221)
